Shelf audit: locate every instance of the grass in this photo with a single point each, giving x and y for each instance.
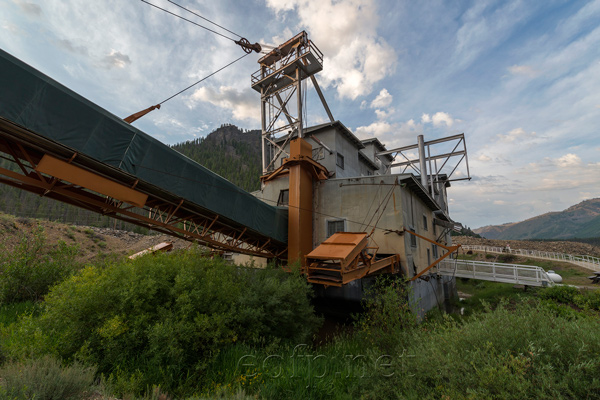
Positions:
(490, 293)
(571, 274)
(137, 322)
(45, 378)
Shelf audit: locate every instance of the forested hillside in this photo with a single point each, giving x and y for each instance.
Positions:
(228, 151)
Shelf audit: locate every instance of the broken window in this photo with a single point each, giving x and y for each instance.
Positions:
(335, 226)
(317, 154)
(413, 239)
(284, 197)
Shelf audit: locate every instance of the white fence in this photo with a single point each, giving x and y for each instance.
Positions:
(588, 262)
(497, 272)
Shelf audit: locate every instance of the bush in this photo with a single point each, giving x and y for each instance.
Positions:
(388, 316)
(528, 352)
(29, 270)
(45, 379)
(560, 293)
(160, 319)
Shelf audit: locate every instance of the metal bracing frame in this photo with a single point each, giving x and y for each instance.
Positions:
(427, 165)
(280, 83)
(161, 212)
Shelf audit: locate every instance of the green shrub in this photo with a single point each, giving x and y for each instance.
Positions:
(591, 300)
(30, 269)
(10, 313)
(560, 293)
(45, 379)
(528, 352)
(388, 316)
(160, 319)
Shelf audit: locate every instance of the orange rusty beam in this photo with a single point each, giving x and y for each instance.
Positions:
(451, 249)
(89, 180)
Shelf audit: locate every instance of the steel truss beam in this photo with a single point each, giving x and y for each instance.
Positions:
(459, 150)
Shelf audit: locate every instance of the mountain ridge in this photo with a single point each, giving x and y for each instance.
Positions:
(581, 220)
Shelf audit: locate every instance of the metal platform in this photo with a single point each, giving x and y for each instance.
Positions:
(278, 68)
(345, 257)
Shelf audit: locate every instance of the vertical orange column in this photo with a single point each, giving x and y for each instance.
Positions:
(300, 202)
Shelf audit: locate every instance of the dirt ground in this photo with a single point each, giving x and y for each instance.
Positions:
(573, 248)
(92, 242)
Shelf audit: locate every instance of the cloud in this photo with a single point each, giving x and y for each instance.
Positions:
(16, 30)
(242, 104)
(484, 158)
(355, 56)
(524, 70)
(116, 59)
(568, 160)
(437, 119)
(69, 46)
(381, 114)
(29, 8)
(393, 135)
(376, 129)
(383, 99)
(440, 118)
(517, 134)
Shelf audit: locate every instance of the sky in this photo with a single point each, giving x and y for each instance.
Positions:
(521, 79)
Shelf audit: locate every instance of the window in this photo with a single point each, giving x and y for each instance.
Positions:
(340, 161)
(428, 257)
(284, 197)
(335, 226)
(413, 239)
(434, 251)
(425, 222)
(318, 154)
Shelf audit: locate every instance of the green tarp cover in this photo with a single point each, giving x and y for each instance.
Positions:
(44, 106)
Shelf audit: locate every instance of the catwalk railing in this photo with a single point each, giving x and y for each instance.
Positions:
(585, 261)
(497, 272)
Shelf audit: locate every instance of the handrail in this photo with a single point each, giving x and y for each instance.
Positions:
(498, 272)
(303, 52)
(590, 262)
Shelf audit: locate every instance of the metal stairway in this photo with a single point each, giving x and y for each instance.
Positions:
(496, 272)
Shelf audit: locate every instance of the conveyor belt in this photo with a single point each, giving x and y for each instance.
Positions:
(42, 120)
